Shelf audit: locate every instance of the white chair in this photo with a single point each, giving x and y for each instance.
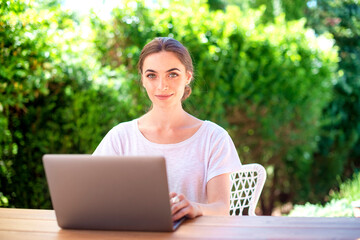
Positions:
(246, 187)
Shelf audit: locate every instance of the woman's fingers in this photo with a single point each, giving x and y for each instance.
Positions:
(179, 202)
(188, 211)
(180, 214)
(172, 194)
(181, 207)
(174, 198)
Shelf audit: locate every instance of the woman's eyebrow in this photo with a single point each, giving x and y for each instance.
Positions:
(172, 69)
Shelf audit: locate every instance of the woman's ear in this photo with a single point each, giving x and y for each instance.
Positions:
(142, 82)
(189, 77)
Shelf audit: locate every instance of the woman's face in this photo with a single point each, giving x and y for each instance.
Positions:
(164, 77)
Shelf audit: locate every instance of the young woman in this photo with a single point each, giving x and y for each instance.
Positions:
(199, 155)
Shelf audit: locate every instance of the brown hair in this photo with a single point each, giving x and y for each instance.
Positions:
(169, 45)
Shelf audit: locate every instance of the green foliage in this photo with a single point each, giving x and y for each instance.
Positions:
(338, 151)
(24, 73)
(334, 208)
(62, 89)
(293, 9)
(338, 206)
(339, 145)
(267, 83)
(49, 100)
(350, 189)
(216, 4)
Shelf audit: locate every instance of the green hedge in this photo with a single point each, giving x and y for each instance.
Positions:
(50, 102)
(266, 84)
(334, 208)
(339, 204)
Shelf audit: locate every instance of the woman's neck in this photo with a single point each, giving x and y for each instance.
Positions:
(166, 118)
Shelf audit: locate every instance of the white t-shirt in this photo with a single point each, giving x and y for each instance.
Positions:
(190, 164)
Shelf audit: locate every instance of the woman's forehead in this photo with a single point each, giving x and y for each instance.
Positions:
(162, 61)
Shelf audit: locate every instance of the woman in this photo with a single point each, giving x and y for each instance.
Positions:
(199, 154)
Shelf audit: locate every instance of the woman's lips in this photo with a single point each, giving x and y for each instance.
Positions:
(163, 96)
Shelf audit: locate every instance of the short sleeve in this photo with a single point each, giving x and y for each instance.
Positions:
(223, 157)
(109, 145)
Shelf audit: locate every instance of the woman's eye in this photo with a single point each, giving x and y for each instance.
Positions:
(151, 75)
(172, 75)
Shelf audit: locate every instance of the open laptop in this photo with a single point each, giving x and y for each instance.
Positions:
(109, 192)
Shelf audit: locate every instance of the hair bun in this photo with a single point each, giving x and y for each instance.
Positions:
(187, 93)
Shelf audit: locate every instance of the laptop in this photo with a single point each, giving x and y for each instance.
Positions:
(109, 192)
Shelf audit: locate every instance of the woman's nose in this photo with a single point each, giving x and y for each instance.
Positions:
(162, 84)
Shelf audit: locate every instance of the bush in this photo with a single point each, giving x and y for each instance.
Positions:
(267, 84)
(339, 204)
(339, 147)
(50, 102)
(334, 208)
(25, 70)
(350, 189)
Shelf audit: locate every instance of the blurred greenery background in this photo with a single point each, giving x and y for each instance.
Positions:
(282, 76)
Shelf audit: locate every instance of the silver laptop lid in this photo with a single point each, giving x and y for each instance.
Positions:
(109, 192)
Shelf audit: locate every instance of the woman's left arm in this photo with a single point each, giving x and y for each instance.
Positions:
(218, 194)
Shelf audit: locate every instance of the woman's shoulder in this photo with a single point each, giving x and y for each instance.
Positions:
(214, 129)
(124, 127)
(126, 124)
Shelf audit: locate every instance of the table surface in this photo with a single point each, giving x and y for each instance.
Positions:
(41, 224)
